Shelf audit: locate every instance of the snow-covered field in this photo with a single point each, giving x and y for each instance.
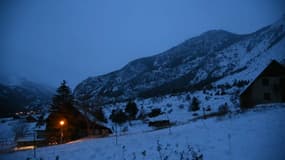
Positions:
(256, 134)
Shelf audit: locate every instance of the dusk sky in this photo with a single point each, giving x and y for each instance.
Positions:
(48, 41)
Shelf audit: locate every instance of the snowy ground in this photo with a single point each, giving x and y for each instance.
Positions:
(174, 107)
(256, 134)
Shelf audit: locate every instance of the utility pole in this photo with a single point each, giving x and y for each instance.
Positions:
(35, 145)
(116, 133)
(61, 123)
(169, 126)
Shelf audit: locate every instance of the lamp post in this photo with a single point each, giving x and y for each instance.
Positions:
(61, 123)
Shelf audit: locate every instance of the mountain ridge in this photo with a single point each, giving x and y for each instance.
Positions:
(190, 65)
(24, 96)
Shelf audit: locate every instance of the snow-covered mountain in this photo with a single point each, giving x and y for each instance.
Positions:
(214, 56)
(26, 95)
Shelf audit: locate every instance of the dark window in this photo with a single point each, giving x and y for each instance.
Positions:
(265, 82)
(267, 96)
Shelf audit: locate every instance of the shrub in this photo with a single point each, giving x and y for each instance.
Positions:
(208, 108)
(131, 110)
(168, 105)
(99, 114)
(207, 98)
(240, 83)
(195, 105)
(187, 98)
(118, 116)
(181, 106)
(223, 109)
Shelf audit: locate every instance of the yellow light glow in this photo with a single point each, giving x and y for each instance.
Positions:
(24, 148)
(61, 122)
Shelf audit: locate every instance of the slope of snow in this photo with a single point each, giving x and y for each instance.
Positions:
(188, 66)
(256, 134)
(256, 64)
(7, 136)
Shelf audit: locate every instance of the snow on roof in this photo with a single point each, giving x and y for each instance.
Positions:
(41, 127)
(31, 127)
(256, 76)
(46, 115)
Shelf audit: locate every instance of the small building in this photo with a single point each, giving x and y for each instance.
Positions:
(75, 125)
(160, 123)
(267, 87)
(99, 129)
(31, 118)
(33, 136)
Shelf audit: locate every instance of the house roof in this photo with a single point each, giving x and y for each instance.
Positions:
(93, 119)
(274, 68)
(31, 127)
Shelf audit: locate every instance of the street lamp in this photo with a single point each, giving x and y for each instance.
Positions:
(61, 123)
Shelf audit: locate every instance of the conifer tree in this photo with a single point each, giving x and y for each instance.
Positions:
(195, 104)
(62, 109)
(63, 98)
(131, 109)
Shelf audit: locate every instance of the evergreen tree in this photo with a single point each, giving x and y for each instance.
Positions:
(131, 109)
(99, 114)
(195, 105)
(63, 98)
(118, 116)
(62, 109)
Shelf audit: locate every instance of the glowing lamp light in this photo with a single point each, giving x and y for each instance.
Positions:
(61, 122)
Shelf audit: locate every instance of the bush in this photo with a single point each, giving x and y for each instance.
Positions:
(181, 106)
(195, 105)
(240, 83)
(187, 98)
(169, 105)
(208, 108)
(131, 110)
(118, 116)
(223, 109)
(99, 114)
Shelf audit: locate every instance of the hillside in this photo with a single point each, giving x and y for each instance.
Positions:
(191, 65)
(255, 134)
(23, 96)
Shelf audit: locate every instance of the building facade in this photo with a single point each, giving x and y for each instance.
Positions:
(268, 87)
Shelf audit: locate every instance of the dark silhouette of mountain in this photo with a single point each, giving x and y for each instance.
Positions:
(24, 96)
